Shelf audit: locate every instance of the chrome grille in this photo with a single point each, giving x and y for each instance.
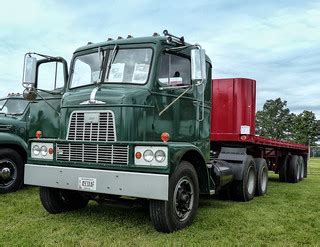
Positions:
(92, 126)
(93, 153)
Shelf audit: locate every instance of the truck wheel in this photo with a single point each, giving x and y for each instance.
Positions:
(301, 163)
(57, 201)
(181, 208)
(294, 169)
(262, 176)
(244, 190)
(11, 170)
(283, 168)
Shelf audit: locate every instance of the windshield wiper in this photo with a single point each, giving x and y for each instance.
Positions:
(111, 60)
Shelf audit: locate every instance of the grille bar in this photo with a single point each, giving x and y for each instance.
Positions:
(93, 153)
(92, 126)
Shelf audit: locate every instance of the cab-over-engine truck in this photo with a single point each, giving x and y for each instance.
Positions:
(141, 118)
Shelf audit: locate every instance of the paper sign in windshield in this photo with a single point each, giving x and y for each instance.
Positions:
(140, 74)
(116, 72)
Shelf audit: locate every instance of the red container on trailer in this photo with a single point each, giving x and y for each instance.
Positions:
(233, 108)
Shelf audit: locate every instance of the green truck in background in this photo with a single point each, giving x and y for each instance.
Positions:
(14, 115)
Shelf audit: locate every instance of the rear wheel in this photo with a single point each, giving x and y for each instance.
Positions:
(283, 168)
(301, 163)
(294, 169)
(57, 201)
(262, 177)
(244, 189)
(11, 170)
(180, 209)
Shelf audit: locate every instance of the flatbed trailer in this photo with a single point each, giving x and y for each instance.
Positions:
(234, 105)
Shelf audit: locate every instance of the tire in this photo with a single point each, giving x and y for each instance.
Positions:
(305, 162)
(293, 169)
(244, 190)
(283, 168)
(302, 166)
(182, 205)
(262, 176)
(57, 201)
(11, 170)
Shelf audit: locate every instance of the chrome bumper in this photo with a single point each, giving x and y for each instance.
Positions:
(134, 184)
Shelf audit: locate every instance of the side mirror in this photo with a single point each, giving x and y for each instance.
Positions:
(29, 70)
(198, 66)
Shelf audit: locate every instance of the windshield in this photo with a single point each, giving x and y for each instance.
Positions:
(128, 66)
(13, 106)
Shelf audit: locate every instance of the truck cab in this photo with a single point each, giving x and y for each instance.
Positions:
(14, 112)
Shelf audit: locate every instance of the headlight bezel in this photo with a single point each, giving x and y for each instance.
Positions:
(143, 162)
(43, 150)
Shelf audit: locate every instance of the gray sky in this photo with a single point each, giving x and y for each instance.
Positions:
(274, 42)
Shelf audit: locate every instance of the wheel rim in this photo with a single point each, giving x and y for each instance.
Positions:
(264, 180)
(183, 198)
(298, 171)
(8, 172)
(251, 181)
(302, 170)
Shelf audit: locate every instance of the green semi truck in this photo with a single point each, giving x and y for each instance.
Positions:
(14, 113)
(140, 120)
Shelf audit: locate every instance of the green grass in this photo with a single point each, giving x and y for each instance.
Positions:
(288, 215)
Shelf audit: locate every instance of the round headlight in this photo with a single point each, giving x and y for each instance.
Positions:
(160, 156)
(36, 150)
(148, 155)
(44, 150)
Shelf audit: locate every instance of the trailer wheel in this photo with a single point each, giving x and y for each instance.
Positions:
(244, 190)
(301, 163)
(294, 169)
(283, 168)
(57, 201)
(181, 208)
(262, 176)
(11, 170)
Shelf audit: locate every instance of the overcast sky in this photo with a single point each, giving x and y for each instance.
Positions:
(275, 42)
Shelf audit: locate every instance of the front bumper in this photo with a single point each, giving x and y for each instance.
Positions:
(134, 184)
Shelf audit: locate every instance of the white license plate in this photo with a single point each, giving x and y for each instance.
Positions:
(87, 184)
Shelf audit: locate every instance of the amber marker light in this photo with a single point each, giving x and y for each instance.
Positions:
(138, 155)
(165, 137)
(50, 151)
(38, 134)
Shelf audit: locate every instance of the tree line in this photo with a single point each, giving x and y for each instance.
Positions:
(276, 121)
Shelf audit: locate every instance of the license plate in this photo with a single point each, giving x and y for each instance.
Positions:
(87, 184)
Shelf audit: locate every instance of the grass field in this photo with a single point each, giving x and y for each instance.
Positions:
(288, 215)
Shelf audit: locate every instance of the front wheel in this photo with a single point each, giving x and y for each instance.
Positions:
(56, 201)
(180, 209)
(11, 170)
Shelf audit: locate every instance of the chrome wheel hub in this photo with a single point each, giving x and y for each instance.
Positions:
(8, 172)
(183, 198)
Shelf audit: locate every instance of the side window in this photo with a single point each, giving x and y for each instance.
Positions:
(50, 76)
(174, 70)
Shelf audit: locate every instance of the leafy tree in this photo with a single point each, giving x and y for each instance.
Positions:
(305, 128)
(274, 120)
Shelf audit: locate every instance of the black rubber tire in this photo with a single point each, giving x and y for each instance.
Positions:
(262, 176)
(302, 166)
(240, 188)
(57, 201)
(10, 155)
(162, 213)
(293, 169)
(305, 161)
(283, 168)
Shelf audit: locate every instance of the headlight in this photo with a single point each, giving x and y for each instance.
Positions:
(160, 156)
(148, 155)
(44, 150)
(36, 150)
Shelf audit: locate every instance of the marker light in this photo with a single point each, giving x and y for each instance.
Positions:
(243, 138)
(50, 151)
(165, 137)
(138, 155)
(38, 134)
